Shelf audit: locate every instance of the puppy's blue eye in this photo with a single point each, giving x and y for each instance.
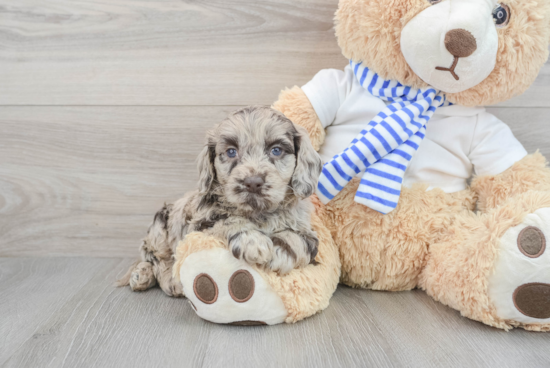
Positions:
(276, 151)
(232, 152)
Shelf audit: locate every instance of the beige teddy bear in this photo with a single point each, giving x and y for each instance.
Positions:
(402, 135)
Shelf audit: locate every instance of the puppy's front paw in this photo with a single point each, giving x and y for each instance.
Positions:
(252, 246)
(292, 250)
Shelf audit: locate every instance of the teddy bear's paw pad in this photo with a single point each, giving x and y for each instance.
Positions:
(241, 286)
(223, 289)
(205, 288)
(532, 242)
(519, 288)
(533, 300)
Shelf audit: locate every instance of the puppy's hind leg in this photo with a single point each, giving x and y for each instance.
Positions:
(163, 274)
(125, 280)
(158, 249)
(141, 275)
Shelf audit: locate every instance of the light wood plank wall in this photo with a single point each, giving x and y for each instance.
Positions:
(104, 104)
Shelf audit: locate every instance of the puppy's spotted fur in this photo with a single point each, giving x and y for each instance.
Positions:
(257, 170)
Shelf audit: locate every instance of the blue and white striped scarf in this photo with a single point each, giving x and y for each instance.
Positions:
(383, 150)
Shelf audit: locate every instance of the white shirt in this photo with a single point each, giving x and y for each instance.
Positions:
(459, 142)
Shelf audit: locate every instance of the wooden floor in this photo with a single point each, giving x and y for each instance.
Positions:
(103, 109)
(63, 312)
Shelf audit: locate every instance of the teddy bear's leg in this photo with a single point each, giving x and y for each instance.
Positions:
(224, 289)
(494, 267)
(295, 105)
(388, 252)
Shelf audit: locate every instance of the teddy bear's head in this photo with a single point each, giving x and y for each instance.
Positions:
(479, 52)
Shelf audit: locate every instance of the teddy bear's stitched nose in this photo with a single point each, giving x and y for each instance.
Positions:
(459, 42)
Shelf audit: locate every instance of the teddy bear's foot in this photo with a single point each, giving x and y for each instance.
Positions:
(223, 289)
(494, 267)
(519, 288)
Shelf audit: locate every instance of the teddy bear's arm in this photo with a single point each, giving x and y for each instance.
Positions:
(316, 104)
(503, 168)
(295, 105)
(529, 174)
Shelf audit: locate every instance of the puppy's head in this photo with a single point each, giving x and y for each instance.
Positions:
(258, 160)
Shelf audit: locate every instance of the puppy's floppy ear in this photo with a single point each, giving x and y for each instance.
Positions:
(308, 165)
(205, 164)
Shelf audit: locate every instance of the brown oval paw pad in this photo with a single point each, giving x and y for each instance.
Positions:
(533, 300)
(205, 288)
(248, 323)
(531, 242)
(241, 286)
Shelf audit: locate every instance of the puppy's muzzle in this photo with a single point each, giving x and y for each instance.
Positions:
(254, 184)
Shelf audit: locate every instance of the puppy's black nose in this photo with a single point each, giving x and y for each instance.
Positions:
(254, 184)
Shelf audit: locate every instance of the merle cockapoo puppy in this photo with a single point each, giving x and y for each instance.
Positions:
(257, 170)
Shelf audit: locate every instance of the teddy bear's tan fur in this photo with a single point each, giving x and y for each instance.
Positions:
(434, 240)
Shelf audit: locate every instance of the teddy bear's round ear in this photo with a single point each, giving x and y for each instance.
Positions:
(369, 31)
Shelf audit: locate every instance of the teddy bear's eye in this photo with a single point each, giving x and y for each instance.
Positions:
(501, 15)
(433, 2)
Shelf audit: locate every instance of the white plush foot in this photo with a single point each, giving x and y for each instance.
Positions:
(223, 289)
(520, 286)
